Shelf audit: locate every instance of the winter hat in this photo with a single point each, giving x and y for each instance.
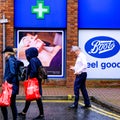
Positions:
(8, 49)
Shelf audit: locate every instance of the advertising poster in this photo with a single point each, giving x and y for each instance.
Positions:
(102, 50)
(50, 46)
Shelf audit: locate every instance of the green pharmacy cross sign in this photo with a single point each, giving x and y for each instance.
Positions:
(40, 9)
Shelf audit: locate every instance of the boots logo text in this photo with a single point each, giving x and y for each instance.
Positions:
(102, 47)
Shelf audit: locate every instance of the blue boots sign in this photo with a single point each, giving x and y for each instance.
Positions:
(102, 48)
(99, 14)
(40, 13)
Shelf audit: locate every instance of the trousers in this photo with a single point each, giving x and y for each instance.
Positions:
(80, 84)
(39, 103)
(13, 108)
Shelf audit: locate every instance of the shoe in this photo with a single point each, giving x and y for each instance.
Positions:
(73, 106)
(40, 117)
(22, 114)
(86, 106)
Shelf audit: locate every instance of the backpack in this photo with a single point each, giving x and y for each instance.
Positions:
(21, 70)
(42, 73)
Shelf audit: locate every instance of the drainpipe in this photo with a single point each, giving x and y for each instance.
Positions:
(3, 21)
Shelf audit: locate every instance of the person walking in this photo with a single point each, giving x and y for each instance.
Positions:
(32, 72)
(80, 79)
(11, 77)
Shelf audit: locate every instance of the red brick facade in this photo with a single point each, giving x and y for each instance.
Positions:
(7, 7)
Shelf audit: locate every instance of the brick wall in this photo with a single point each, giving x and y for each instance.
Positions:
(72, 37)
(6, 7)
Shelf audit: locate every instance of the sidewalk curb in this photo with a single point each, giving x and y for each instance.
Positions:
(106, 104)
(48, 97)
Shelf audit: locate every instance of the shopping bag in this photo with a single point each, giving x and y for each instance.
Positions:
(31, 87)
(5, 96)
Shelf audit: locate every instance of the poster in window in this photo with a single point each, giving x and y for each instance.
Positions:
(50, 47)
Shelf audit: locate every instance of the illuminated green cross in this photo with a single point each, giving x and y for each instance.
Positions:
(40, 9)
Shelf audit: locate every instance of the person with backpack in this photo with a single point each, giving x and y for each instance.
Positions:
(11, 77)
(32, 72)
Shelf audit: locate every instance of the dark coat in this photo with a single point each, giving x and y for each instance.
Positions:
(10, 74)
(34, 63)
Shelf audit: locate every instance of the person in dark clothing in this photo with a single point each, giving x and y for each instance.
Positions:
(32, 72)
(11, 77)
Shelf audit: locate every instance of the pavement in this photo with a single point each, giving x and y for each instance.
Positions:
(106, 97)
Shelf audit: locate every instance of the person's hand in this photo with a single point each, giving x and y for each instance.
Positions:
(36, 42)
(71, 67)
(27, 41)
(76, 73)
(39, 44)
